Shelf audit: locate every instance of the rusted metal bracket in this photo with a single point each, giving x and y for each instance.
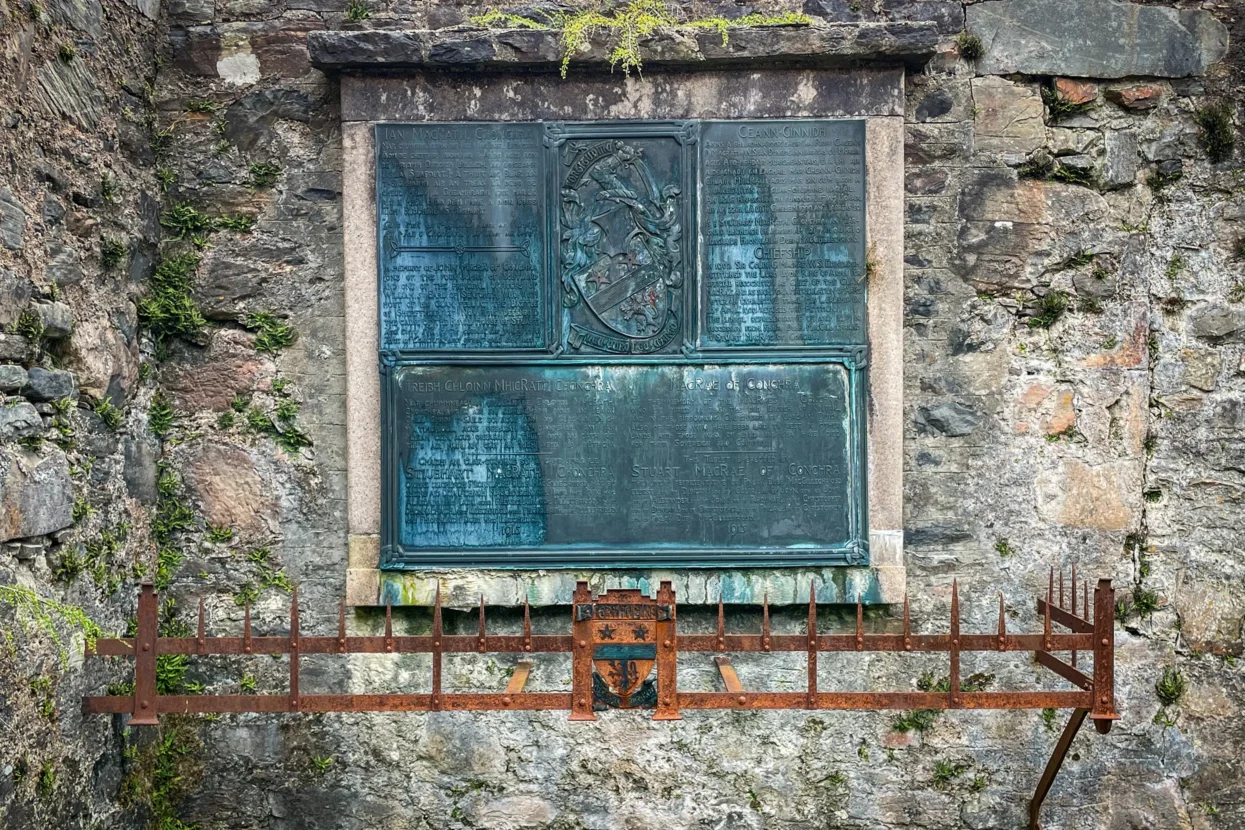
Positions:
(624, 650)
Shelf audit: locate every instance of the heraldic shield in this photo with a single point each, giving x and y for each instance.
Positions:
(622, 243)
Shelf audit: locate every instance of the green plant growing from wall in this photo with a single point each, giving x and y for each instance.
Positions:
(272, 334)
(264, 174)
(1217, 134)
(108, 188)
(625, 27)
(169, 309)
(1170, 687)
(167, 177)
(201, 105)
(1061, 108)
(67, 51)
(1050, 307)
(111, 253)
(45, 785)
(163, 772)
(945, 772)
(219, 534)
(970, 46)
(36, 613)
(109, 414)
(29, 325)
(239, 223)
(160, 416)
(184, 221)
(357, 11)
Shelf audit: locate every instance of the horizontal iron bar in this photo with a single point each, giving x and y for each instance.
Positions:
(1065, 618)
(224, 704)
(204, 704)
(1059, 667)
(884, 700)
(555, 643)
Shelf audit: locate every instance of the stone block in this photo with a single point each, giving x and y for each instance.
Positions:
(1216, 322)
(64, 266)
(1136, 96)
(1076, 92)
(102, 361)
(953, 419)
(141, 476)
(12, 377)
(230, 490)
(1095, 39)
(57, 319)
(36, 494)
(14, 295)
(1077, 495)
(68, 89)
(12, 220)
(87, 16)
(50, 385)
(229, 367)
(1201, 368)
(13, 348)
(1009, 119)
(1122, 159)
(19, 420)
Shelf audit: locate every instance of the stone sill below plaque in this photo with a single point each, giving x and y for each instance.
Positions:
(817, 44)
(880, 583)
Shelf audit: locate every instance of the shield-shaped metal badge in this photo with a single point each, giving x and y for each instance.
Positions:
(621, 247)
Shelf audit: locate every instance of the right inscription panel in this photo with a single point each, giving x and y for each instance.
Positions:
(782, 233)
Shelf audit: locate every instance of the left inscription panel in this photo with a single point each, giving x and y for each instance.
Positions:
(461, 223)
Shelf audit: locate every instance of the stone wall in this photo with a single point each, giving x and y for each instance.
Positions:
(1074, 387)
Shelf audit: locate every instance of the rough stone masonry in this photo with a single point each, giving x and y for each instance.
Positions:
(172, 371)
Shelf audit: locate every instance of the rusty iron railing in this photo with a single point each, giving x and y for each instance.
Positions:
(616, 641)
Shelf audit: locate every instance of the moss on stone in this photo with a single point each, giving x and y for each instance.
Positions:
(1218, 135)
(626, 26)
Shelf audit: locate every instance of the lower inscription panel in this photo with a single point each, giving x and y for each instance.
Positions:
(741, 463)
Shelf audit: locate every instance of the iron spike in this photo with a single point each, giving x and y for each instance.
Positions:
(527, 625)
(483, 636)
(1050, 595)
(388, 624)
(907, 626)
(721, 623)
(1061, 602)
(200, 635)
(341, 628)
(765, 641)
(955, 604)
(1002, 625)
(246, 628)
(1074, 589)
(860, 626)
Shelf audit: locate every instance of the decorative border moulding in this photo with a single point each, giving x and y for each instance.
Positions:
(874, 93)
(911, 43)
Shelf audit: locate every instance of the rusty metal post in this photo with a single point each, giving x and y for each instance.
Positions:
(953, 688)
(438, 634)
(1052, 766)
(667, 656)
(581, 654)
(1104, 712)
(294, 649)
(145, 658)
(811, 702)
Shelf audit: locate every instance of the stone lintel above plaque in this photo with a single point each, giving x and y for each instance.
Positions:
(819, 44)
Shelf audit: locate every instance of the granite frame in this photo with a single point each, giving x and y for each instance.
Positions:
(873, 93)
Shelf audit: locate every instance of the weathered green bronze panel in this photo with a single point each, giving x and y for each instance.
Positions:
(617, 344)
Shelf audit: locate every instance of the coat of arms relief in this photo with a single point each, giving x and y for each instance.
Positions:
(621, 214)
